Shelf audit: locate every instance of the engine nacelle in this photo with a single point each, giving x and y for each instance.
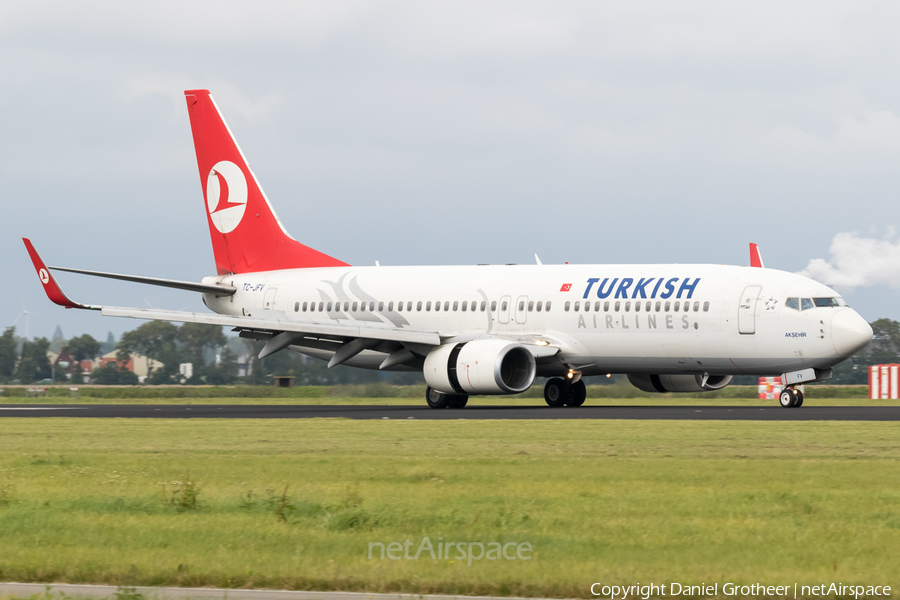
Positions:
(679, 383)
(480, 367)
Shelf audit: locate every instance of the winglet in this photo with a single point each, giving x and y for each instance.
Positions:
(755, 258)
(51, 288)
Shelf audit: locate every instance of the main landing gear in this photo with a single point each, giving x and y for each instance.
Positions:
(438, 399)
(790, 397)
(559, 392)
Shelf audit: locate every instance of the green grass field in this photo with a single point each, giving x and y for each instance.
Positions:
(203, 503)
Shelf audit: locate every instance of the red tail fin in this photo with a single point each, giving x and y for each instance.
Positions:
(246, 234)
(755, 256)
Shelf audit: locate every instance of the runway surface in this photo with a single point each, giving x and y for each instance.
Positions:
(245, 411)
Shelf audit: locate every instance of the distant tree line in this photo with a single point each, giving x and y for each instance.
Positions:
(215, 359)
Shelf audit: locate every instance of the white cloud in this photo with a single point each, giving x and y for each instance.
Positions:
(857, 262)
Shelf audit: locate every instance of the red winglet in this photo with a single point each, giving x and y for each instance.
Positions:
(755, 258)
(52, 289)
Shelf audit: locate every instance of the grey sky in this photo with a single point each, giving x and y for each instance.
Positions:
(454, 133)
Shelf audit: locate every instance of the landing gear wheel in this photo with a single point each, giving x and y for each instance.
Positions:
(555, 392)
(457, 401)
(435, 398)
(790, 398)
(786, 398)
(577, 394)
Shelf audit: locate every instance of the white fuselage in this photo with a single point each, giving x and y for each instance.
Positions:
(662, 319)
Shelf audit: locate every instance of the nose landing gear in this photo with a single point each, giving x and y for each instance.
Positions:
(790, 397)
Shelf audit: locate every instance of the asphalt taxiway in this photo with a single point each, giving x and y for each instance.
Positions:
(386, 412)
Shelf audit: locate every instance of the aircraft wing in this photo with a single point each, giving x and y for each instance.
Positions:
(346, 340)
(275, 324)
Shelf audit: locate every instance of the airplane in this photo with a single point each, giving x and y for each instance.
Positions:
(493, 329)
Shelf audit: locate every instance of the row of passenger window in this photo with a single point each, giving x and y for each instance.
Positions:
(647, 306)
(448, 306)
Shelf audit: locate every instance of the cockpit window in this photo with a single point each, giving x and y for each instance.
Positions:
(792, 303)
(826, 302)
(806, 303)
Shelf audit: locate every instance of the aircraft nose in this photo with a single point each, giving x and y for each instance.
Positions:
(850, 332)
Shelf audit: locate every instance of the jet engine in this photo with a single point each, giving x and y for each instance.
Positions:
(480, 367)
(679, 383)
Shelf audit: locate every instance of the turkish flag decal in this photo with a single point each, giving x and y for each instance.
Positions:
(565, 287)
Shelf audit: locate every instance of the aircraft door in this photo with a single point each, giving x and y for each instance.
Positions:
(521, 307)
(747, 310)
(269, 301)
(503, 310)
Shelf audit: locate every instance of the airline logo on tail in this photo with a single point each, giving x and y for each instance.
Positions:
(226, 195)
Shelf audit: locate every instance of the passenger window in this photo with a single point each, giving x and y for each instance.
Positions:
(706, 306)
(606, 306)
(628, 306)
(296, 307)
(637, 306)
(677, 305)
(521, 305)
(464, 304)
(547, 307)
(696, 306)
(647, 306)
(566, 306)
(381, 306)
(419, 306)
(587, 306)
(312, 307)
(493, 306)
(483, 305)
(372, 306)
(346, 306)
(400, 307)
(455, 305)
(668, 305)
(531, 306)
(806, 303)
(329, 307)
(321, 306)
(503, 306)
(355, 306)
(540, 305)
(362, 307)
(390, 306)
(428, 306)
(577, 306)
(437, 306)
(618, 305)
(792, 303)
(447, 305)
(658, 305)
